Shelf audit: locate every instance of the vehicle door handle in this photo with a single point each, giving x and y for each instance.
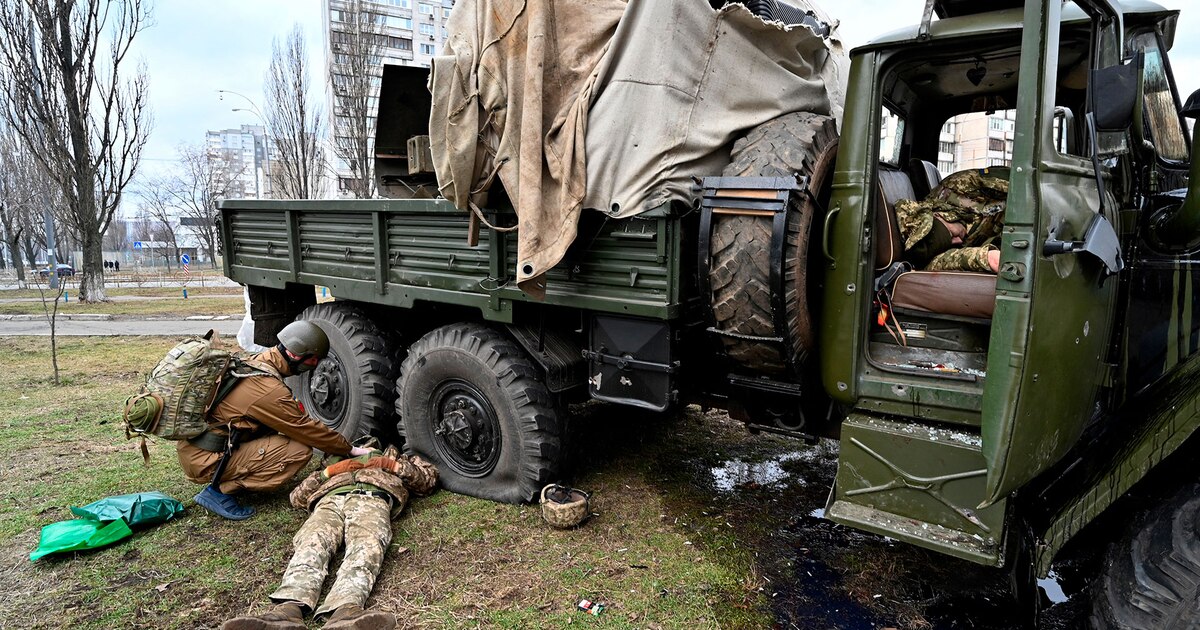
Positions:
(837, 207)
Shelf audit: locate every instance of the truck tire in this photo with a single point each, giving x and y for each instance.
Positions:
(351, 390)
(740, 270)
(1151, 577)
(473, 403)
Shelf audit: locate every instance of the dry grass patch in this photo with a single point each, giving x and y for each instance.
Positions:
(455, 561)
(158, 307)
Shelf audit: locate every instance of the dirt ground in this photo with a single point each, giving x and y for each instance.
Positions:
(771, 493)
(697, 524)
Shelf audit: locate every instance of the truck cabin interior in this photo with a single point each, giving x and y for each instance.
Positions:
(950, 111)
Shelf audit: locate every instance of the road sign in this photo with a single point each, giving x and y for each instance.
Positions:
(137, 244)
(185, 259)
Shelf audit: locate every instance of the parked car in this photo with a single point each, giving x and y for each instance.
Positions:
(61, 270)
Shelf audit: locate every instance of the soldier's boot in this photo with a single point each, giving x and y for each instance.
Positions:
(223, 504)
(353, 617)
(285, 616)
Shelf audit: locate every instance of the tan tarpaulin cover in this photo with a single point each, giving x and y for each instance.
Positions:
(669, 85)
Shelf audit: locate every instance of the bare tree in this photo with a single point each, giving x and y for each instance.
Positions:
(295, 121)
(158, 219)
(116, 238)
(25, 192)
(357, 43)
(69, 101)
(203, 177)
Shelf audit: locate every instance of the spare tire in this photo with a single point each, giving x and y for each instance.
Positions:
(798, 144)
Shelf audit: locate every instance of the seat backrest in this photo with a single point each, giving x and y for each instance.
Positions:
(894, 185)
(925, 177)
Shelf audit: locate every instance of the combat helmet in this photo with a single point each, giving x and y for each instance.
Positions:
(305, 340)
(564, 507)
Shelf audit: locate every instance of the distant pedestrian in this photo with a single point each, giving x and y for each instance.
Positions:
(117, 266)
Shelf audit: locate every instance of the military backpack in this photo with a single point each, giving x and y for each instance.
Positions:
(195, 375)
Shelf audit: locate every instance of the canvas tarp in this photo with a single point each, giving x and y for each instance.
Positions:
(621, 104)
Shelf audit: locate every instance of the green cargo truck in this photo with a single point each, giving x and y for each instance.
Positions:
(990, 417)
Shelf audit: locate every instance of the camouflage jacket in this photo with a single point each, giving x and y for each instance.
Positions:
(969, 198)
(390, 472)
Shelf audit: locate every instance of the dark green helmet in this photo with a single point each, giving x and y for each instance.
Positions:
(304, 338)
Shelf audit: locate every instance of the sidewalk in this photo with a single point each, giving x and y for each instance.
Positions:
(105, 326)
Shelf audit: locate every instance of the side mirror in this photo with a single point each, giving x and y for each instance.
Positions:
(1114, 93)
(1191, 109)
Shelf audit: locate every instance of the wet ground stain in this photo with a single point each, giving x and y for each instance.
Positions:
(817, 574)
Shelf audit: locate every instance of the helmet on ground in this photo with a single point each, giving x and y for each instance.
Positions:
(564, 507)
(304, 338)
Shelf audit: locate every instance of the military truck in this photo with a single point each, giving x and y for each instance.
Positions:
(990, 417)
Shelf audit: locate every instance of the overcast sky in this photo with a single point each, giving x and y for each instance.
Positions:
(197, 48)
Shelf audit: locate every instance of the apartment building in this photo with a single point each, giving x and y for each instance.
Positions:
(246, 154)
(410, 32)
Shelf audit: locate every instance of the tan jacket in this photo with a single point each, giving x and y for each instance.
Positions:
(264, 404)
(399, 475)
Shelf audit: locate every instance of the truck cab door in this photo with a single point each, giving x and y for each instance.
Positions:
(1051, 327)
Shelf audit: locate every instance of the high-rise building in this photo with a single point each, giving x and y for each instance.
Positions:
(981, 140)
(410, 32)
(245, 155)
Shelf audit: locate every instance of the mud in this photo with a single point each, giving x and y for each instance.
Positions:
(816, 574)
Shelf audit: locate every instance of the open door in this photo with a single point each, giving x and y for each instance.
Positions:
(1055, 294)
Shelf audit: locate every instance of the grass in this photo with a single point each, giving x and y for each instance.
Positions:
(165, 292)
(650, 554)
(164, 307)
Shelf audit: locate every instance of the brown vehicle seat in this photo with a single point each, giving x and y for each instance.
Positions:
(956, 293)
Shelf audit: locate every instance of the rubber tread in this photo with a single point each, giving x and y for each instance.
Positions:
(1151, 578)
(375, 389)
(537, 420)
(740, 273)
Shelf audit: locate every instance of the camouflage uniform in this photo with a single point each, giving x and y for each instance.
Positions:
(355, 500)
(968, 198)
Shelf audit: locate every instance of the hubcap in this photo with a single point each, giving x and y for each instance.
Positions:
(466, 428)
(327, 385)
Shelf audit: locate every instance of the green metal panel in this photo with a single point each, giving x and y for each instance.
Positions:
(847, 276)
(1050, 329)
(399, 252)
(941, 399)
(1173, 411)
(918, 483)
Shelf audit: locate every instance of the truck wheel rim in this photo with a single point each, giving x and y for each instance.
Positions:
(327, 389)
(466, 430)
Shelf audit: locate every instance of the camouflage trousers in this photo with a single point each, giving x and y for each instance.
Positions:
(365, 523)
(962, 259)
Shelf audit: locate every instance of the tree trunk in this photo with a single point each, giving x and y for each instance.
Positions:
(30, 254)
(14, 252)
(91, 285)
(212, 254)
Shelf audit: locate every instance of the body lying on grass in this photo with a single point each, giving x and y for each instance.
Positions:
(352, 500)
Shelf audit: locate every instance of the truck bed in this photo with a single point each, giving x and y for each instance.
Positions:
(402, 251)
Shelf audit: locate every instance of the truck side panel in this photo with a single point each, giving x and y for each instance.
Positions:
(399, 252)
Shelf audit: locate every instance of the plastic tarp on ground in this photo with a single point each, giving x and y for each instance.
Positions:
(105, 522)
(609, 106)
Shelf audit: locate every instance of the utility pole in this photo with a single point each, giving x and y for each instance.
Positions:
(47, 216)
